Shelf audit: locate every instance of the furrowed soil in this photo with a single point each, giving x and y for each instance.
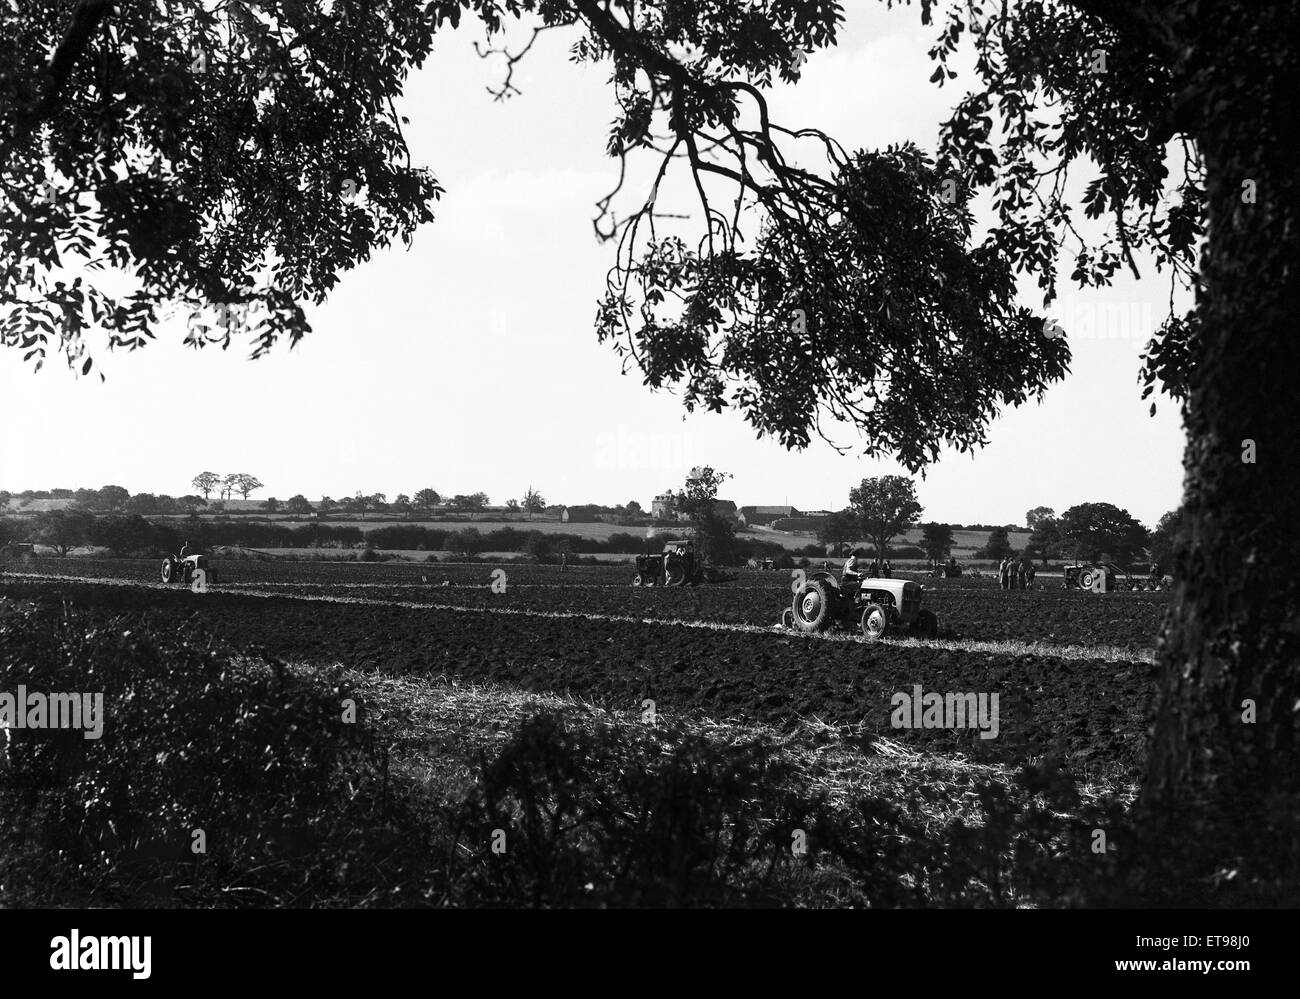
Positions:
(1092, 712)
(968, 608)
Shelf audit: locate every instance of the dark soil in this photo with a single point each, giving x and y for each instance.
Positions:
(1092, 712)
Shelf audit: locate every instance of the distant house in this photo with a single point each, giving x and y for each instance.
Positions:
(664, 506)
(756, 516)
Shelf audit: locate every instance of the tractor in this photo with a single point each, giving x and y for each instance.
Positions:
(679, 565)
(1106, 577)
(181, 569)
(947, 570)
(877, 607)
(1100, 577)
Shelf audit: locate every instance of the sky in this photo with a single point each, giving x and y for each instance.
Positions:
(470, 361)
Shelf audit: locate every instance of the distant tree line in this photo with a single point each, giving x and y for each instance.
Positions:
(134, 535)
(1087, 532)
(426, 502)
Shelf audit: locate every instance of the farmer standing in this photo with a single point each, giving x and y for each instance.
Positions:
(1004, 573)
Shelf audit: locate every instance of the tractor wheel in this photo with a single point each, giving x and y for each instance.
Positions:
(875, 622)
(636, 580)
(168, 569)
(926, 625)
(673, 575)
(813, 606)
(1085, 580)
(787, 619)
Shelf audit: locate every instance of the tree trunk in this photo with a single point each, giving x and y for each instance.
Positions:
(1224, 766)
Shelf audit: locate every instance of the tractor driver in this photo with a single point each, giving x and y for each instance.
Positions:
(185, 550)
(852, 572)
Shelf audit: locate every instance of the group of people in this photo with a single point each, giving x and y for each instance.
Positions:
(1015, 574)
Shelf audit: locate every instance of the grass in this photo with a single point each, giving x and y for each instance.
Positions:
(885, 826)
(438, 731)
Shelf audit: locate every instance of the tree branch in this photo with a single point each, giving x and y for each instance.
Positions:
(86, 19)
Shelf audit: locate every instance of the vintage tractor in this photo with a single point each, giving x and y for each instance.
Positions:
(181, 570)
(1107, 577)
(1102, 577)
(947, 570)
(875, 606)
(679, 565)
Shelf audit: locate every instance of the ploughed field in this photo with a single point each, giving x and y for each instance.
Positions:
(587, 632)
(968, 609)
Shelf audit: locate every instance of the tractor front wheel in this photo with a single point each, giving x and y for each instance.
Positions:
(168, 570)
(875, 622)
(636, 580)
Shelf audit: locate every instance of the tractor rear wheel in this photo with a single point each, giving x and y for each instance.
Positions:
(636, 580)
(673, 574)
(813, 606)
(875, 622)
(1085, 580)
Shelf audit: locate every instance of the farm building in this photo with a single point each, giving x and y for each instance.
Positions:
(727, 509)
(755, 516)
(664, 507)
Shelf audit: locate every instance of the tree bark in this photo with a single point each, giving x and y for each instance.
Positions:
(1221, 788)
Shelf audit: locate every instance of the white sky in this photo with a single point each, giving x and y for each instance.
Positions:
(470, 362)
